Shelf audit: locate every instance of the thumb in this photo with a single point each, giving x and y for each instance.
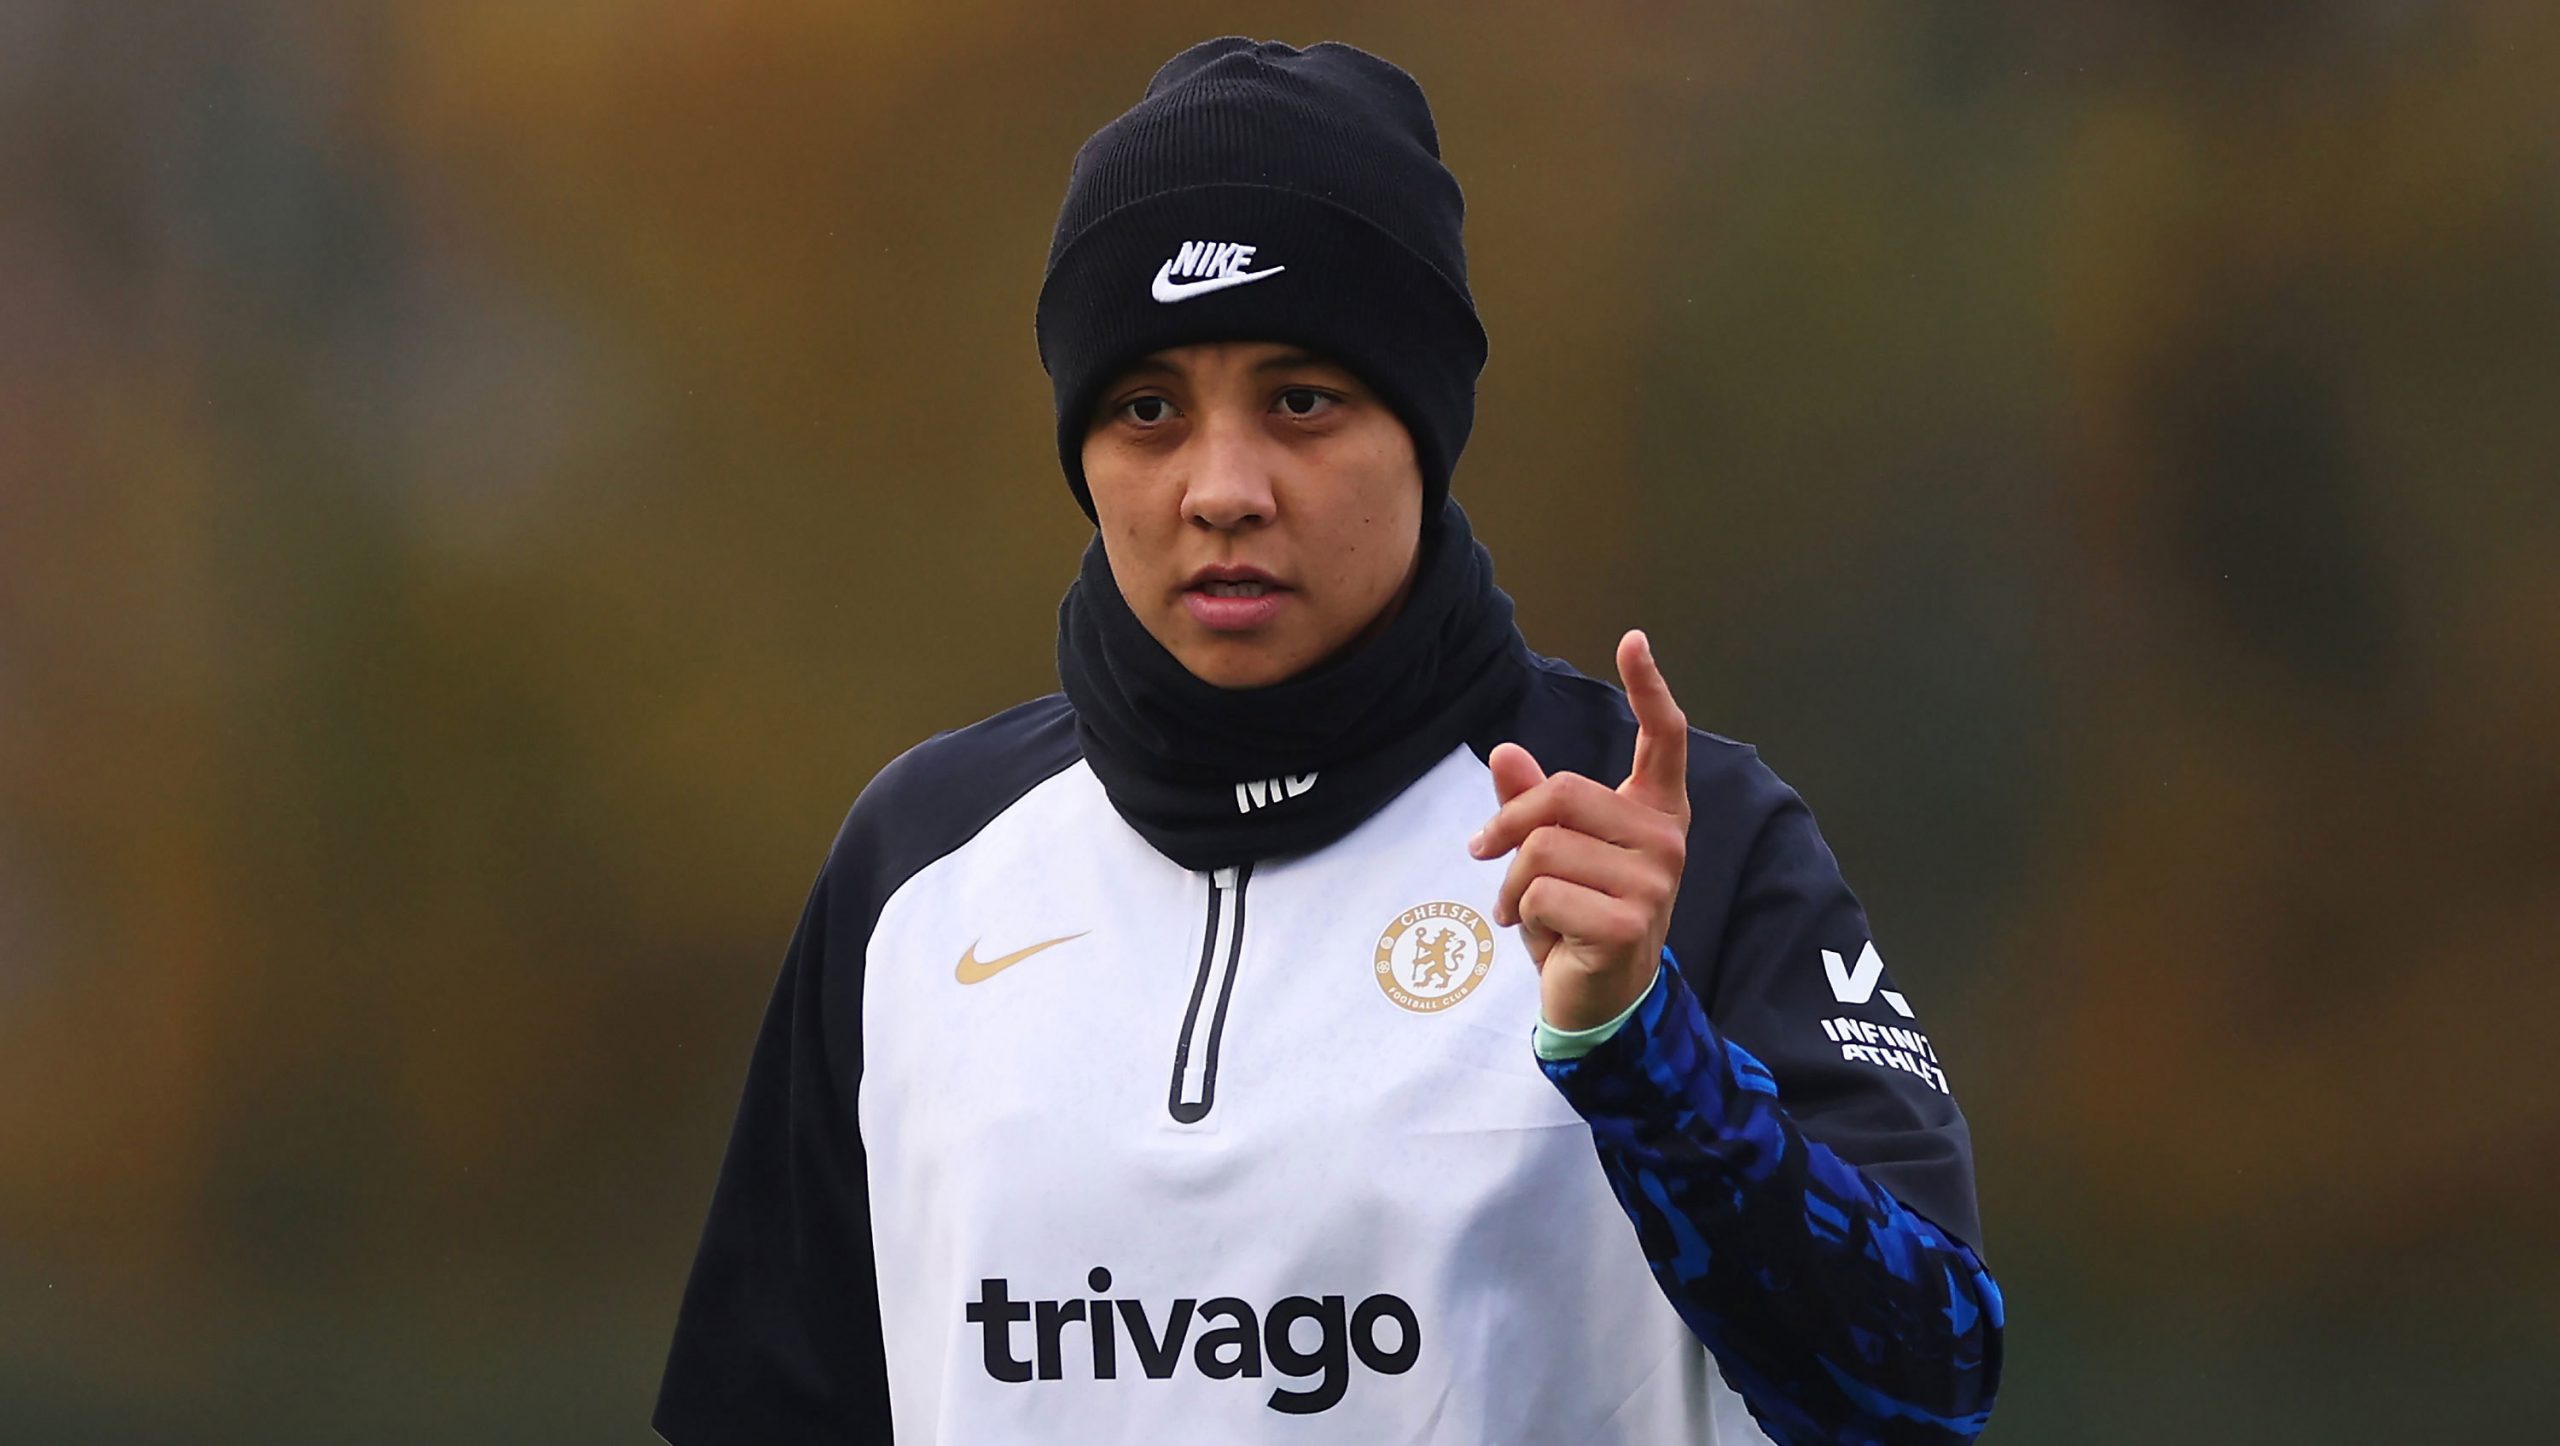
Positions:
(1514, 771)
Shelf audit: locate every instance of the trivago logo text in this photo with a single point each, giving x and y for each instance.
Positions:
(1380, 1332)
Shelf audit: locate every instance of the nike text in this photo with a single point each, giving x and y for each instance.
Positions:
(1210, 266)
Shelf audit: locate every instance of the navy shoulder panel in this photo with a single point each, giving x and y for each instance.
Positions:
(937, 795)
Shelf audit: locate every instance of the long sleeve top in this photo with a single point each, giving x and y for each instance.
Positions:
(1046, 1138)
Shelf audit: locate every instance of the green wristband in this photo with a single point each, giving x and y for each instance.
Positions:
(1553, 1043)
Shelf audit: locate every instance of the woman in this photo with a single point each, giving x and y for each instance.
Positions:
(1290, 1018)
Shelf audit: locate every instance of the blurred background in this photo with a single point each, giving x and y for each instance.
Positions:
(482, 485)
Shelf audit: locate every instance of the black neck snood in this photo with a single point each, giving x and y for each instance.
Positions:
(1214, 777)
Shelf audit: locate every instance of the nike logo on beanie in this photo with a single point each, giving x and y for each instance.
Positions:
(1217, 265)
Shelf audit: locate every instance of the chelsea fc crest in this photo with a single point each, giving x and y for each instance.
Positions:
(1434, 955)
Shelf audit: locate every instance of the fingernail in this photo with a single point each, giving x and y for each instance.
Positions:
(1475, 846)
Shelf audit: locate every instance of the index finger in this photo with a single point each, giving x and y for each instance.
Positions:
(1660, 776)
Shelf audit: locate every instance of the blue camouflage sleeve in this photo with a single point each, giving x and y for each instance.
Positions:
(1839, 1315)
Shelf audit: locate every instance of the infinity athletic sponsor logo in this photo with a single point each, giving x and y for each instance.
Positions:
(1380, 1331)
(1216, 265)
(1864, 1041)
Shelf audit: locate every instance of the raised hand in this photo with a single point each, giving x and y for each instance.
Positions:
(1597, 868)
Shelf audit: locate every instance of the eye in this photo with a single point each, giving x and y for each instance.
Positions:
(1146, 411)
(1306, 401)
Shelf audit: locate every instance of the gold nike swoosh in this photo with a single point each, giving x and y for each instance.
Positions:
(972, 968)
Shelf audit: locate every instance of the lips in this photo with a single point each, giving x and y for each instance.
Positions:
(1228, 597)
(1231, 572)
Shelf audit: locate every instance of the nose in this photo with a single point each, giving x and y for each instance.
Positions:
(1227, 488)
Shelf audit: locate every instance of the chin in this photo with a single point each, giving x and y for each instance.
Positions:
(1229, 662)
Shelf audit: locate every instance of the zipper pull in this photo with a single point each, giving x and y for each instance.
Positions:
(1224, 878)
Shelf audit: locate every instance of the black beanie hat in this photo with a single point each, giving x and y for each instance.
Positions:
(1318, 169)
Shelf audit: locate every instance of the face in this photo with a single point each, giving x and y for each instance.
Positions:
(1261, 508)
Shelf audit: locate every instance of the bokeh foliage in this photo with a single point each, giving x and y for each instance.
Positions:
(483, 484)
